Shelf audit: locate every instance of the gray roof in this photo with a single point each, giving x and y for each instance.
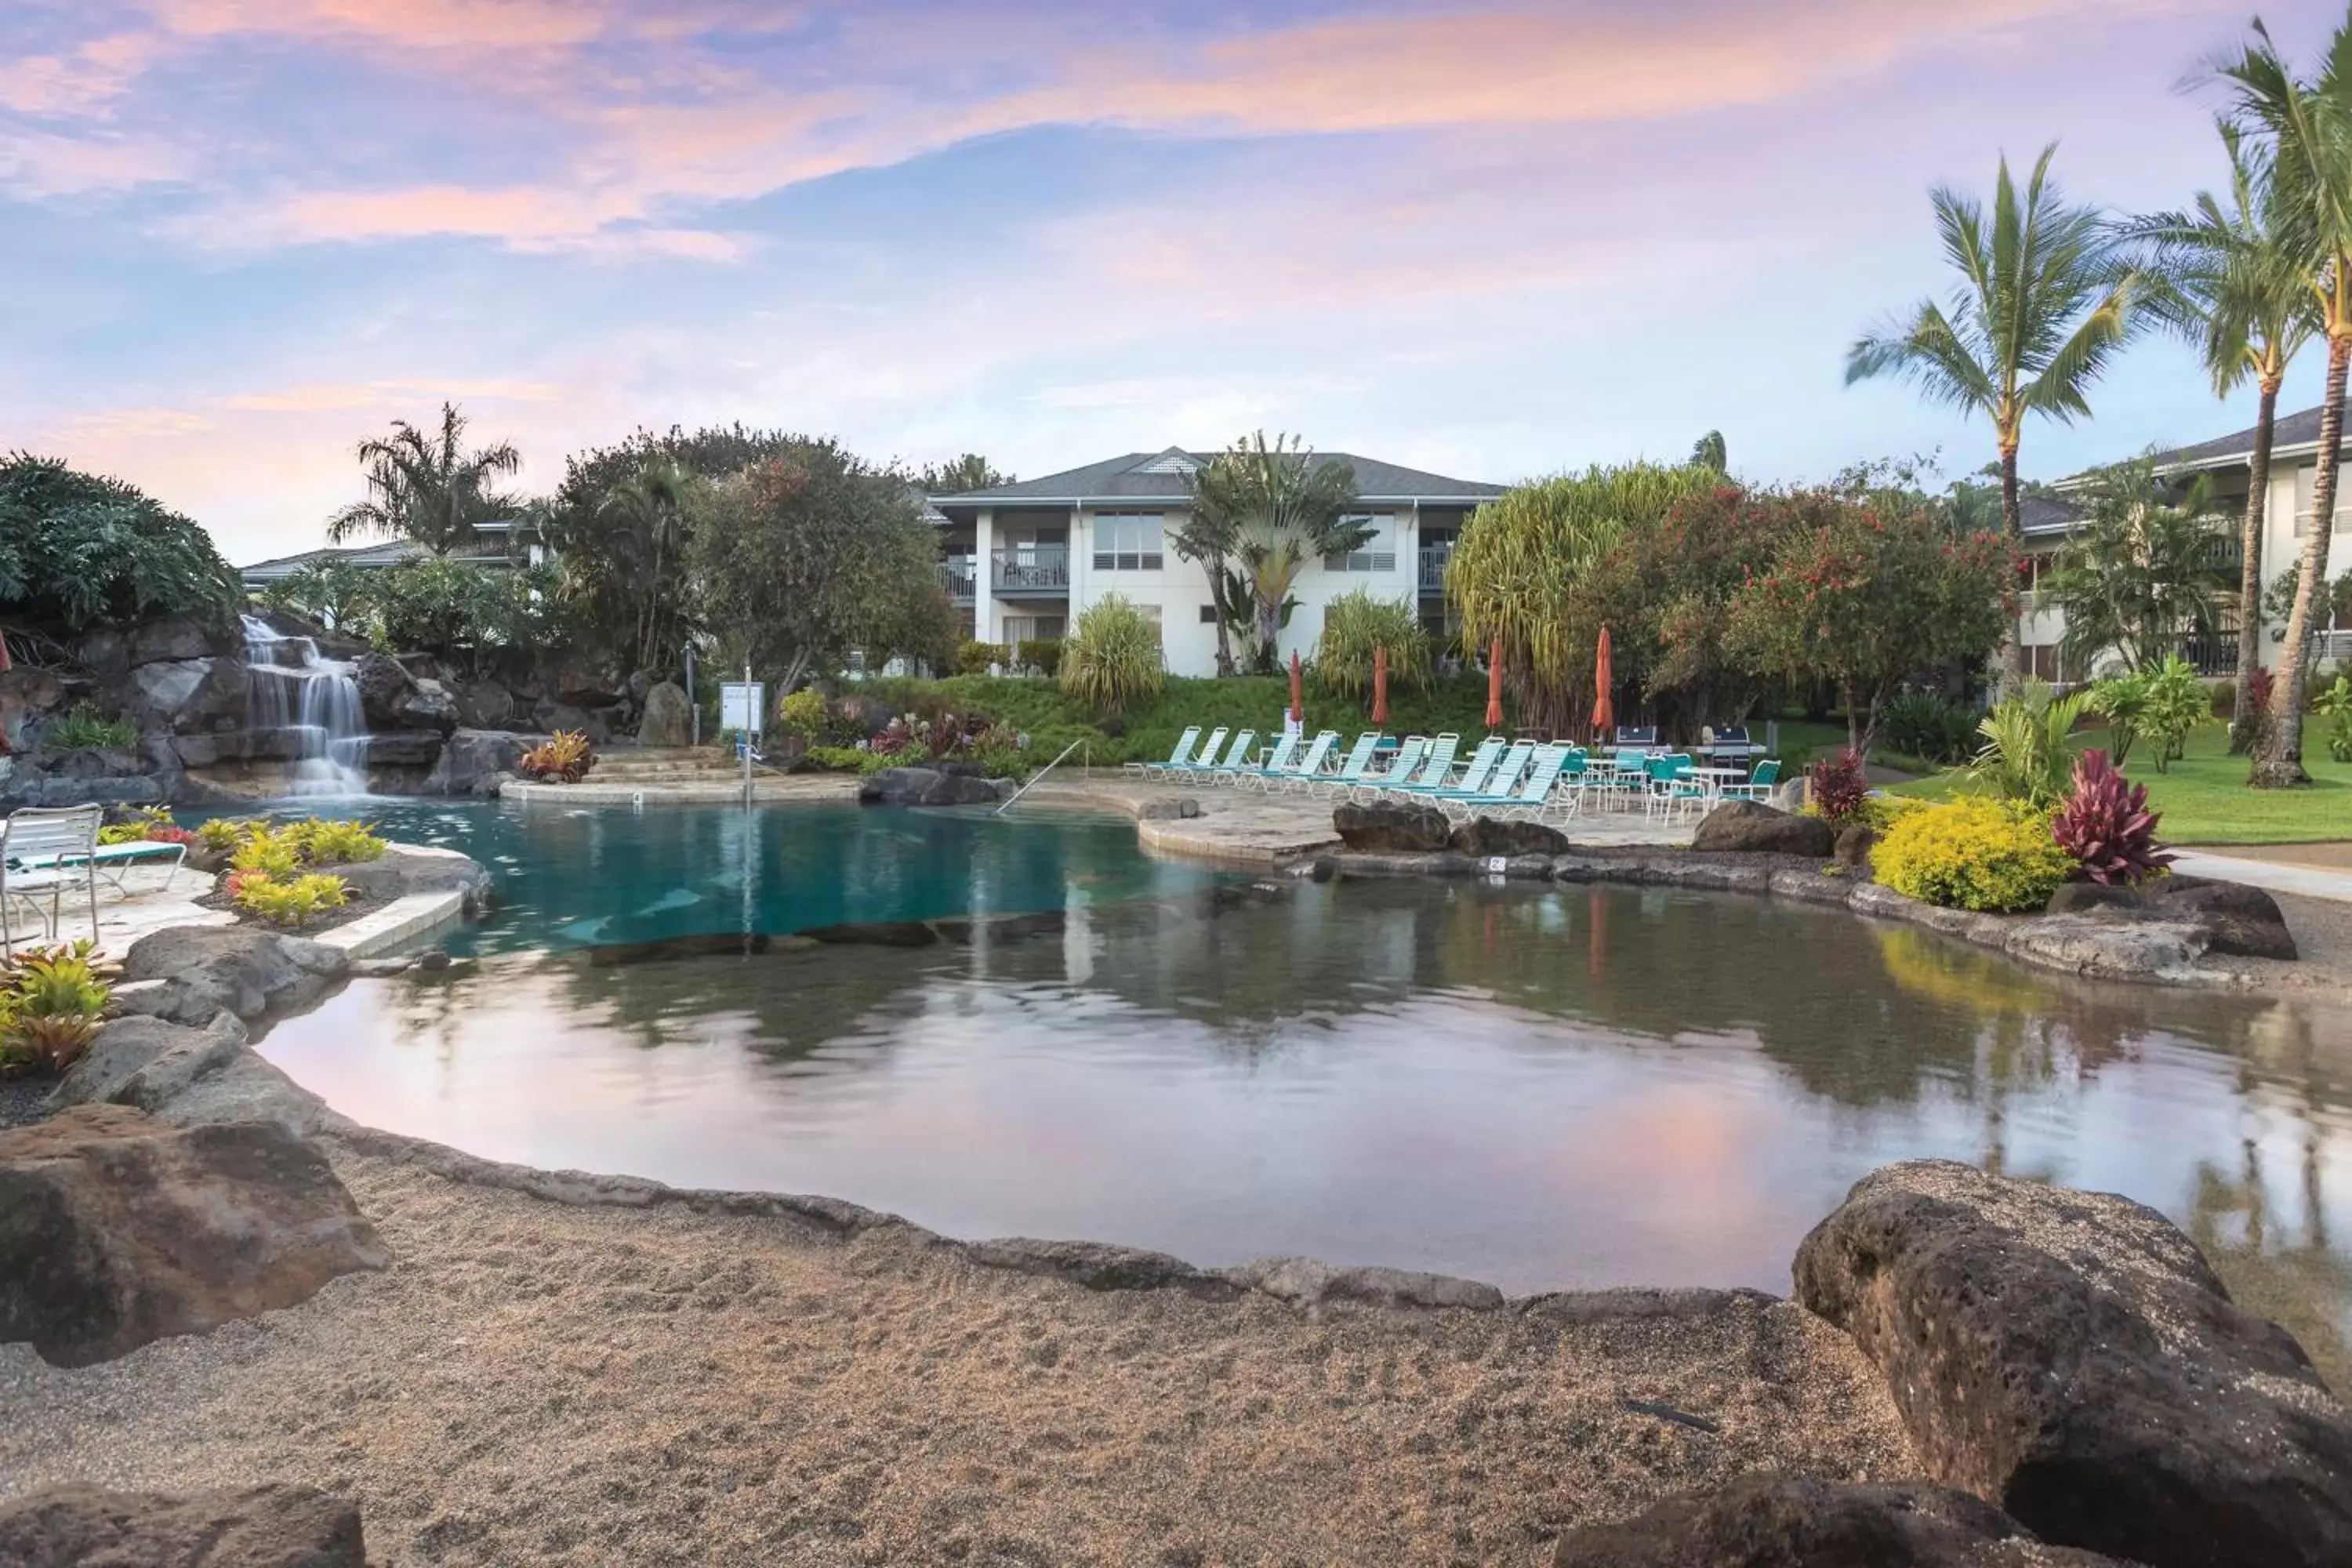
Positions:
(391, 553)
(2291, 430)
(1132, 477)
(2047, 514)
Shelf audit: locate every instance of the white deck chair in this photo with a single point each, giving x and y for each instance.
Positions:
(51, 848)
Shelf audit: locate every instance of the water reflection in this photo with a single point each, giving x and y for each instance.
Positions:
(1550, 1087)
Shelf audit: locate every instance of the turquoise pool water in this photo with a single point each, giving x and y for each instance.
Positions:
(1548, 1088)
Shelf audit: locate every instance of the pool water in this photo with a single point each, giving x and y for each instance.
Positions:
(1548, 1087)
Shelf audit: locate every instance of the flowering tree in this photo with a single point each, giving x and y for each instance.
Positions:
(1868, 595)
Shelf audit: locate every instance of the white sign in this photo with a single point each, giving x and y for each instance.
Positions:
(742, 703)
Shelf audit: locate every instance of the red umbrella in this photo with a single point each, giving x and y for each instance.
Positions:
(1298, 708)
(1379, 683)
(1604, 711)
(1494, 684)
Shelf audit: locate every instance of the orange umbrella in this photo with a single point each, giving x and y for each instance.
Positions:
(1379, 683)
(1494, 684)
(1604, 711)
(1298, 708)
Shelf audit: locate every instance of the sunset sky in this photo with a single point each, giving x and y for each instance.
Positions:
(1488, 239)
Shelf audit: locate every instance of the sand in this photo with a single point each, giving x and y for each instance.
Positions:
(535, 1382)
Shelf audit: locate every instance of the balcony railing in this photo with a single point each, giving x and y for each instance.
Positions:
(1032, 569)
(1433, 568)
(960, 574)
(2214, 653)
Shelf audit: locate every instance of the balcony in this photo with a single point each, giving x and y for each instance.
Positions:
(1031, 570)
(1433, 567)
(959, 575)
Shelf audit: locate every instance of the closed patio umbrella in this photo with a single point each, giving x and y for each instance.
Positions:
(1379, 684)
(1605, 710)
(1494, 684)
(1298, 708)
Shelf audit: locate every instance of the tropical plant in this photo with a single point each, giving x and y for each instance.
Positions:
(1524, 560)
(1354, 625)
(1112, 656)
(1973, 853)
(2123, 700)
(804, 713)
(85, 729)
(2335, 705)
(1708, 452)
(270, 851)
(2236, 284)
(1866, 598)
(1836, 787)
(426, 487)
(2145, 571)
(334, 594)
(1267, 508)
(967, 473)
(976, 658)
(289, 900)
(2106, 826)
(812, 555)
(321, 841)
(2177, 700)
(2042, 305)
(77, 549)
(1930, 726)
(564, 758)
(1042, 655)
(466, 612)
(51, 1000)
(2307, 129)
(621, 553)
(2027, 757)
(222, 834)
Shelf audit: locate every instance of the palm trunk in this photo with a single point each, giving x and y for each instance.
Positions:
(2245, 724)
(1224, 628)
(2279, 764)
(2012, 530)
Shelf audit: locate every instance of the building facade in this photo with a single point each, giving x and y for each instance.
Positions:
(1024, 561)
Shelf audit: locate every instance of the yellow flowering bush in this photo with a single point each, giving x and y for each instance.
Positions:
(1972, 854)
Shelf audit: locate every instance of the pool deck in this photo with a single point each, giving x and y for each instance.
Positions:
(148, 905)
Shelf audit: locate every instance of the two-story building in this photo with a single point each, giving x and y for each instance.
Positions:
(2047, 522)
(1023, 561)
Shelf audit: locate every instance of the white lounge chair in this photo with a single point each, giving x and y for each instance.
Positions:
(48, 850)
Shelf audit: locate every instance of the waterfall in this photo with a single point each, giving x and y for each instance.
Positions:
(316, 700)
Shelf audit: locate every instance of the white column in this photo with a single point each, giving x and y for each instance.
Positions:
(984, 619)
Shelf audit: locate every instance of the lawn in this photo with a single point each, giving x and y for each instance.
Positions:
(2204, 798)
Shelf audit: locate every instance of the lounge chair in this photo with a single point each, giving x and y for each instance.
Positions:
(1181, 755)
(1208, 762)
(1499, 777)
(48, 849)
(1351, 770)
(1563, 797)
(1435, 763)
(1409, 754)
(1276, 760)
(1530, 795)
(1317, 754)
(1434, 780)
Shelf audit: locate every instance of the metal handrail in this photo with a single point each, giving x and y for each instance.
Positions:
(1040, 775)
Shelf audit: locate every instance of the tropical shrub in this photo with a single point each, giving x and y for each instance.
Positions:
(1836, 789)
(86, 730)
(1930, 726)
(289, 900)
(50, 1003)
(1113, 656)
(1973, 853)
(465, 611)
(323, 842)
(976, 658)
(1356, 623)
(271, 851)
(2177, 703)
(851, 758)
(2106, 826)
(804, 712)
(223, 834)
(563, 759)
(148, 825)
(76, 547)
(1042, 655)
(2026, 757)
(2335, 705)
(2123, 701)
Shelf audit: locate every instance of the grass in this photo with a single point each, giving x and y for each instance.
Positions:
(2204, 798)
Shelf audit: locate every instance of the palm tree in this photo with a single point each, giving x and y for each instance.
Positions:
(2308, 127)
(428, 489)
(2042, 305)
(646, 514)
(1708, 452)
(2144, 572)
(1280, 509)
(2234, 283)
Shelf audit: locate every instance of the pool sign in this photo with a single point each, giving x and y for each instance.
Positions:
(742, 703)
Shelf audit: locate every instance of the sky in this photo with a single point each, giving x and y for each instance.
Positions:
(1488, 238)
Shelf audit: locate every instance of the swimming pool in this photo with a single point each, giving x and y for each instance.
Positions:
(1543, 1087)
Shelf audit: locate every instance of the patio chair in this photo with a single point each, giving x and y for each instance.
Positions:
(1276, 760)
(1759, 783)
(48, 849)
(1529, 795)
(1566, 797)
(1183, 751)
(1351, 769)
(1409, 754)
(1204, 759)
(1435, 765)
(1500, 777)
(1317, 755)
(1207, 765)
(1672, 783)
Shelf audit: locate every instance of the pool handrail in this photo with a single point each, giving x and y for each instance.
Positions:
(1038, 777)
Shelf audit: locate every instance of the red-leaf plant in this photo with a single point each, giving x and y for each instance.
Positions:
(1839, 786)
(2106, 826)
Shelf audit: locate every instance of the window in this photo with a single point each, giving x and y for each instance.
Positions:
(1127, 543)
(1208, 615)
(2305, 483)
(1033, 629)
(1377, 553)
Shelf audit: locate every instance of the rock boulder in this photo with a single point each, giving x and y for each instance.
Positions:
(116, 1229)
(210, 970)
(258, 1527)
(669, 718)
(1486, 837)
(1772, 1520)
(2071, 1358)
(1392, 829)
(1746, 826)
(930, 787)
(2241, 921)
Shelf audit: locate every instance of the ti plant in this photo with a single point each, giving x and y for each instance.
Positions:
(565, 759)
(2105, 824)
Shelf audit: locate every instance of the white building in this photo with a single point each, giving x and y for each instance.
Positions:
(2048, 523)
(1023, 561)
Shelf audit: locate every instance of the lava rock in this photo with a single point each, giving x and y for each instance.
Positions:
(2240, 919)
(384, 686)
(2073, 1359)
(1746, 826)
(2081, 897)
(930, 787)
(399, 749)
(1486, 837)
(404, 868)
(668, 718)
(116, 1230)
(257, 1527)
(430, 707)
(1854, 847)
(1395, 829)
(172, 638)
(473, 760)
(233, 969)
(484, 705)
(1773, 1521)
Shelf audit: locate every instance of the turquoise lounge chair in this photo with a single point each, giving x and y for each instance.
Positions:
(1351, 770)
(1409, 754)
(1181, 756)
(1435, 763)
(1436, 775)
(1317, 754)
(1276, 760)
(1504, 774)
(1207, 763)
(1533, 796)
